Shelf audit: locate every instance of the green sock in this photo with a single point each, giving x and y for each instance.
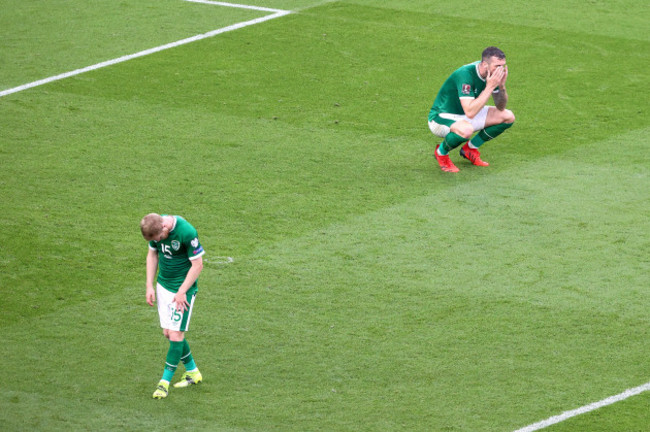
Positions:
(450, 142)
(173, 358)
(489, 133)
(187, 358)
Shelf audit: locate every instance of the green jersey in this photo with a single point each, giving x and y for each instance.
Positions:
(175, 255)
(465, 82)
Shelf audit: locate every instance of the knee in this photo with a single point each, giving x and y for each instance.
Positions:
(176, 336)
(464, 131)
(509, 117)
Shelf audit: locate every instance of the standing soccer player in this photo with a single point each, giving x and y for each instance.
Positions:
(460, 108)
(175, 250)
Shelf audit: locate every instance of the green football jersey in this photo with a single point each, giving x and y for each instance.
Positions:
(175, 254)
(465, 82)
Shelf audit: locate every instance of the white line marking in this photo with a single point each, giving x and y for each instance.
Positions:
(277, 13)
(585, 409)
(235, 5)
(220, 260)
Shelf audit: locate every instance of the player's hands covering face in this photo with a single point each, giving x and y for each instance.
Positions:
(496, 78)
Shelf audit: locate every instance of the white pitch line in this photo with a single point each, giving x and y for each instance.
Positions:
(277, 13)
(235, 5)
(585, 409)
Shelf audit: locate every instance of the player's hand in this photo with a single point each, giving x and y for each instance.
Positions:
(181, 302)
(151, 296)
(494, 79)
(502, 84)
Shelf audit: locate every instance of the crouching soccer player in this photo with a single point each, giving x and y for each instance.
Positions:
(460, 108)
(175, 250)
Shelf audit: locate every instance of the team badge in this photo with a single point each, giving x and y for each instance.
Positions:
(466, 89)
(195, 242)
(176, 245)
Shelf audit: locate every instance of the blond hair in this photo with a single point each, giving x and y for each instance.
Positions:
(151, 225)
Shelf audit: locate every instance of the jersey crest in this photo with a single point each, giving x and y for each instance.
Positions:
(176, 245)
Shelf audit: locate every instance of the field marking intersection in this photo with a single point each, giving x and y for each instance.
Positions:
(274, 13)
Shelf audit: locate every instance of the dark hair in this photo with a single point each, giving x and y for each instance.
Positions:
(492, 52)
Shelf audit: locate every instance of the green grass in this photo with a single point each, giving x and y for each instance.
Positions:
(369, 290)
(629, 415)
(40, 40)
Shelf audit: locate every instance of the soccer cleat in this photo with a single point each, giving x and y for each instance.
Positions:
(161, 391)
(188, 379)
(472, 155)
(445, 163)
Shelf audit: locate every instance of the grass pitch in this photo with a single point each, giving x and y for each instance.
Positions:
(369, 291)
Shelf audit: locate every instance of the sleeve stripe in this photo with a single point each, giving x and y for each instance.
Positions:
(197, 256)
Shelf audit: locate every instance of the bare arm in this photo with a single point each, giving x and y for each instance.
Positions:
(152, 267)
(192, 275)
(501, 98)
(473, 106)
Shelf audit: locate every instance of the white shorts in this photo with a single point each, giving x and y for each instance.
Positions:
(170, 318)
(478, 122)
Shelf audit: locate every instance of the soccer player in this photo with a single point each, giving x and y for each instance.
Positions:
(460, 108)
(175, 250)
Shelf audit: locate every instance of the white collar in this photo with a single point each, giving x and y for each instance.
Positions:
(478, 72)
